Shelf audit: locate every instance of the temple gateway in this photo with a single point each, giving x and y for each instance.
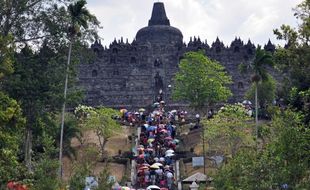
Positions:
(132, 74)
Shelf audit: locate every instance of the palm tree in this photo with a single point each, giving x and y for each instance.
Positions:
(258, 66)
(80, 17)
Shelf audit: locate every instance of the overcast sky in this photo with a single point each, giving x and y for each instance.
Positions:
(247, 19)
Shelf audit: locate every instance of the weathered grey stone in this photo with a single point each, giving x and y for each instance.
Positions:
(131, 74)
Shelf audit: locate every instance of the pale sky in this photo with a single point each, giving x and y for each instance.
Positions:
(227, 19)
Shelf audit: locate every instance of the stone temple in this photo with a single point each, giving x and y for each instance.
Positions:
(131, 74)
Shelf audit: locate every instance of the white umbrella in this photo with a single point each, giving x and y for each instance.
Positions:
(153, 187)
(146, 125)
(170, 151)
(247, 102)
(169, 155)
(169, 175)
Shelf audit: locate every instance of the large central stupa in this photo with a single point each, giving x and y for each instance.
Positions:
(159, 29)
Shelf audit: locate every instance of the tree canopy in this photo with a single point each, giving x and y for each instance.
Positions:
(101, 121)
(201, 81)
(230, 128)
(283, 162)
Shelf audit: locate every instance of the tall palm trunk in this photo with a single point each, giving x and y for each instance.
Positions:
(256, 112)
(28, 147)
(63, 111)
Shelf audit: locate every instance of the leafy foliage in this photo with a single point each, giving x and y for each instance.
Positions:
(39, 20)
(230, 128)
(266, 89)
(6, 62)
(45, 175)
(11, 130)
(261, 61)
(200, 81)
(80, 18)
(101, 120)
(285, 159)
(293, 59)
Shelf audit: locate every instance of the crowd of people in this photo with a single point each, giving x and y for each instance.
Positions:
(155, 152)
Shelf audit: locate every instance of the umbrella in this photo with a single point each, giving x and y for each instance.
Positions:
(141, 110)
(162, 102)
(169, 155)
(168, 138)
(144, 168)
(163, 131)
(173, 111)
(150, 140)
(169, 175)
(175, 141)
(154, 166)
(158, 164)
(151, 128)
(123, 110)
(170, 151)
(155, 104)
(153, 187)
(247, 102)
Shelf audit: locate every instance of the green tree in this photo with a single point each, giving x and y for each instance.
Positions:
(36, 85)
(267, 92)
(258, 68)
(230, 128)
(201, 81)
(293, 59)
(11, 130)
(239, 173)
(45, 168)
(101, 121)
(80, 17)
(34, 20)
(105, 181)
(284, 160)
(6, 62)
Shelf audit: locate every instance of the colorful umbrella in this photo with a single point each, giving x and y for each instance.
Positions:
(123, 110)
(158, 164)
(144, 168)
(164, 131)
(145, 165)
(140, 148)
(154, 166)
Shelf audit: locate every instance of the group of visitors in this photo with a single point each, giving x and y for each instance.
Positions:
(155, 152)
